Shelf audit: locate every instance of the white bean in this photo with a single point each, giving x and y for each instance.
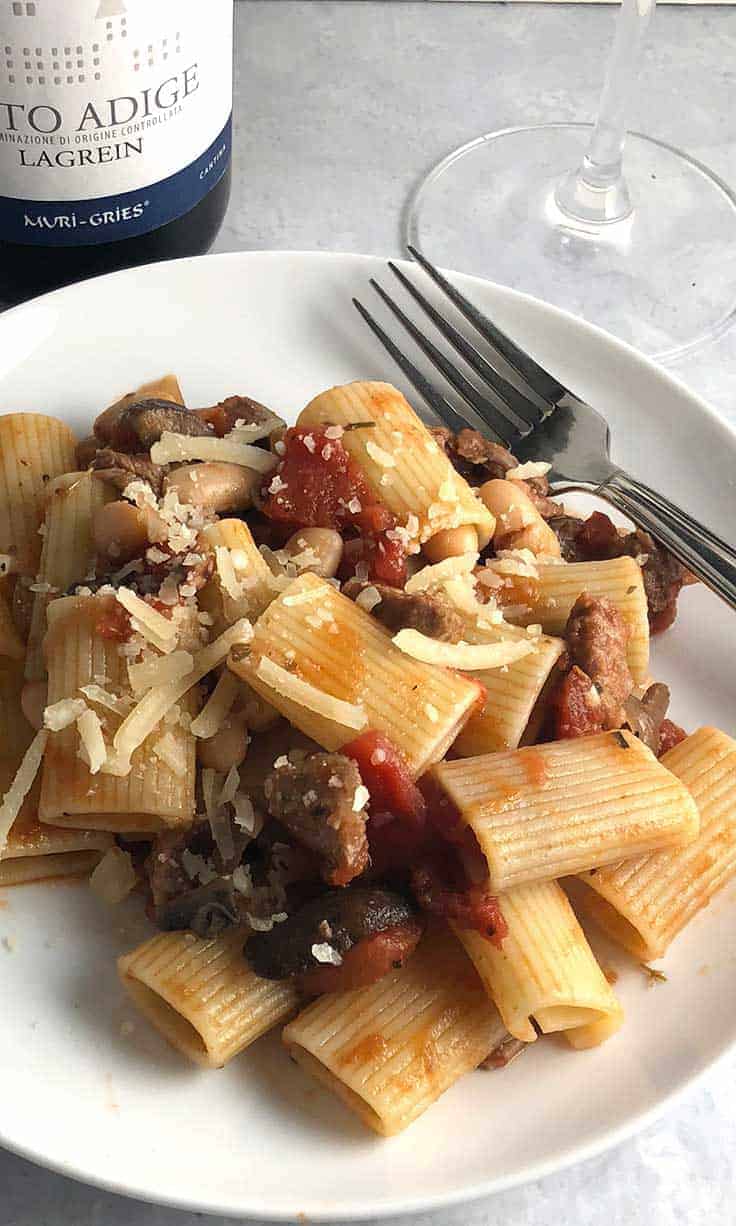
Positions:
(518, 522)
(220, 487)
(318, 550)
(226, 748)
(120, 531)
(451, 543)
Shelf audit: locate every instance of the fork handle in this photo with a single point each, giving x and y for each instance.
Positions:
(700, 550)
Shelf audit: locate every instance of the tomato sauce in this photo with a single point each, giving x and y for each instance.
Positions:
(318, 485)
(114, 623)
(573, 713)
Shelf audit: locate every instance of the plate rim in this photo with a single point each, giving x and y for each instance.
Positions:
(479, 1189)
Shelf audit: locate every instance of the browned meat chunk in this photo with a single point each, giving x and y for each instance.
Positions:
(596, 637)
(120, 469)
(317, 799)
(223, 417)
(141, 425)
(427, 612)
(670, 734)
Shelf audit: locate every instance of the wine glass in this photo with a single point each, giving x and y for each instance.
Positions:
(640, 240)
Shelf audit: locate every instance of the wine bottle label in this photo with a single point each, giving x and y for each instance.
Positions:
(115, 115)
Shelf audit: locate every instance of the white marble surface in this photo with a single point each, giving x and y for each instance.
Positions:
(340, 108)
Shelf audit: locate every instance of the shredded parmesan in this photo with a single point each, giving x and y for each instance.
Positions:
(93, 750)
(62, 714)
(384, 459)
(368, 598)
(172, 752)
(158, 670)
(434, 576)
(229, 787)
(119, 704)
(245, 815)
(524, 472)
(172, 448)
(323, 952)
(114, 876)
(147, 621)
(306, 695)
(153, 706)
(468, 657)
(218, 705)
(361, 798)
(21, 785)
(251, 432)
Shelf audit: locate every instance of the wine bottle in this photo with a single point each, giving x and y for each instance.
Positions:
(115, 135)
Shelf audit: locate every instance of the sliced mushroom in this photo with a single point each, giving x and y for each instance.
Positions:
(119, 469)
(147, 420)
(339, 919)
(645, 715)
(218, 487)
(86, 451)
(207, 910)
(166, 389)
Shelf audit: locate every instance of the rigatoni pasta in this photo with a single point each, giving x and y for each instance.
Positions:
(548, 598)
(68, 553)
(545, 811)
(390, 1050)
(544, 971)
(645, 901)
(154, 794)
(317, 636)
(33, 450)
(404, 466)
(201, 996)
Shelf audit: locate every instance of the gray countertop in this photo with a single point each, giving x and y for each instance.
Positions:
(340, 108)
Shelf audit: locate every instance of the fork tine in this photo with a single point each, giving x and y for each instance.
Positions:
(525, 412)
(436, 401)
(486, 410)
(530, 371)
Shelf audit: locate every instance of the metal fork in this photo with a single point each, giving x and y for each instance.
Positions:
(539, 419)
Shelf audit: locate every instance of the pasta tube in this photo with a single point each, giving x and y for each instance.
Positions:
(549, 598)
(549, 810)
(33, 450)
(404, 466)
(68, 553)
(391, 1049)
(332, 670)
(243, 584)
(202, 996)
(156, 794)
(545, 970)
(644, 902)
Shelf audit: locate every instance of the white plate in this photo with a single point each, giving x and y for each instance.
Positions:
(121, 1110)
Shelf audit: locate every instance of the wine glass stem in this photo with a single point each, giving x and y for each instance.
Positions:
(596, 193)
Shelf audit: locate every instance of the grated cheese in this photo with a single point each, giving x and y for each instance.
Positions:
(229, 787)
(114, 877)
(368, 598)
(21, 785)
(323, 952)
(361, 798)
(173, 753)
(307, 695)
(158, 670)
(252, 432)
(92, 750)
(218, 706)
(172, 448)
(62, 714)
(153, 706)
(103, 698)
(146, 620)
(467, 657)
(383, 458)
(432, 576)
(245, 816)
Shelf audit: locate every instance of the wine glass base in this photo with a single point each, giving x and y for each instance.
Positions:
(663, 278)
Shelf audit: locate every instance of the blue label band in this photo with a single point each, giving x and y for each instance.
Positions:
(67, 223)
